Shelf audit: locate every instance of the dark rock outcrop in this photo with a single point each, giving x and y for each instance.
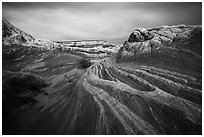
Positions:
(140, 35)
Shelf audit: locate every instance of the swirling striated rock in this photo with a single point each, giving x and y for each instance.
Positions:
(108, 98)
(159, 93)
(136, 88)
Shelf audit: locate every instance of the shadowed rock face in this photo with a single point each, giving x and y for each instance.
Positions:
(157, 93)
(140, 35)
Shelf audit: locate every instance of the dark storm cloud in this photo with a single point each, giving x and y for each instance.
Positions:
(108, 21)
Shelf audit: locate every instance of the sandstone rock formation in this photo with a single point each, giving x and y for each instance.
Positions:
(11, 34)
(90, 48)
(83, 43)
(108, 98)
(45, 44)
(50, 91)
(146, 40)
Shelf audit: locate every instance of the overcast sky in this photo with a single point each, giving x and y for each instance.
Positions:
(107, 21)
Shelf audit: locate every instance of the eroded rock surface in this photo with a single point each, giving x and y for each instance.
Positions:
(146, 40)
(11, 34)
(109, 98)
(48, 92)
(89, 48)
